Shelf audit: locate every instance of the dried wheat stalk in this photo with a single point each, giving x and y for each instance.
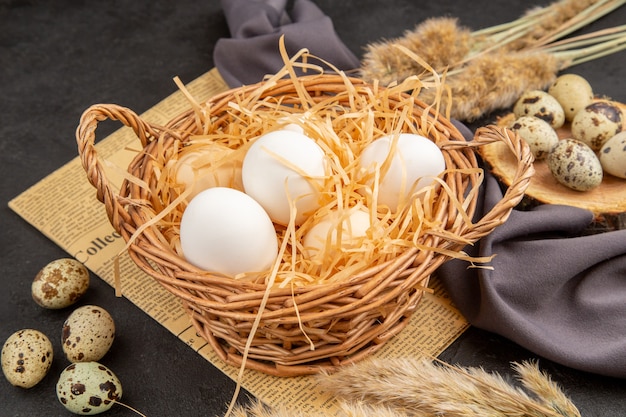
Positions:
(423, 388)
(489, 69)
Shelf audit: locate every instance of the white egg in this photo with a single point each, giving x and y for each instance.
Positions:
(88, 388)
(613, 155)
(88, 334)
(26, 357)
(281, 167)
(225, 231)
(293, 127)
(353, 224)
(414, 164)
(201, 169)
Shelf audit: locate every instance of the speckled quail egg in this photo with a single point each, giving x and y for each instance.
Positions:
(596, 123)
(26, 357)
(88, 388)
(538, 103)
(573, 93)
(613, 155)
(575, 165)
(60, 283)
(538, 133)
(88, 334)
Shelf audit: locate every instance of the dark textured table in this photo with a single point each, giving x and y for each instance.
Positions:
(58, 57)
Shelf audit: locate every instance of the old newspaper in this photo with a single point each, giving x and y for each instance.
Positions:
(63, 207)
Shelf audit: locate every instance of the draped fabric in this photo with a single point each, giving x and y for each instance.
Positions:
(256, 27)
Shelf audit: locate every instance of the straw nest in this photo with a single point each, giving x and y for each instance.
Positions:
(301, 317)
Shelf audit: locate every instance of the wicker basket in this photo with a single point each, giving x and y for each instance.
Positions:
(345, 320)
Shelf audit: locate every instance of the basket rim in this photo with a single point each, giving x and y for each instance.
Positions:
(148, 134)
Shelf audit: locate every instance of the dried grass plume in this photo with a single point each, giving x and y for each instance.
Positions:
(423, 388)
(488, 69)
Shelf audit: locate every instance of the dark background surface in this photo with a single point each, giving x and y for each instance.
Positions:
(59, 57)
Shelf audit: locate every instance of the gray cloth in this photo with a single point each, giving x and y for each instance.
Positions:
(256, 27)
(554, 290)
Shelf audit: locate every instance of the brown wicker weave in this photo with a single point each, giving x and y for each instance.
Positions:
(345, 320)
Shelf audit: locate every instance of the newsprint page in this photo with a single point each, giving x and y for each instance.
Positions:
(64, 208)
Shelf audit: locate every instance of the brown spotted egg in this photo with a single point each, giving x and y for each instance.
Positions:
(538, 103)
(26, 357)
(88, 334)
(613, 155)
(88, 388)
(60, 283)
(575, 165)
(596, 123)
(538, 133)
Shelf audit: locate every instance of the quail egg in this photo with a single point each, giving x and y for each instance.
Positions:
(596, 123)
(613, 155)
(573, 93)
(538, 103)
(60, 283)
(88, 334)
(26, 357)
(538, 133)
(575, 165)
(88, 388)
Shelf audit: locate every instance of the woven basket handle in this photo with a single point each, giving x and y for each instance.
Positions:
(85, 138)
(515, 192)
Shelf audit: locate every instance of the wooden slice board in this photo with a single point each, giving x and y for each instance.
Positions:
(607, 201)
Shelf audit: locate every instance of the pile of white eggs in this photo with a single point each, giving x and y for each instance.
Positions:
(597, 145)
(229, 225)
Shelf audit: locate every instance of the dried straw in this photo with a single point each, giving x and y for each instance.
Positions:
(257, 409)
(342, 132)
(422, 388)
(436, 389)
(494, 82)
(438, 41)
(525, 54)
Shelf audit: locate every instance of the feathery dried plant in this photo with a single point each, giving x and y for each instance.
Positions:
(423, 388)
(257, 409)
(489, 69)
(435, 389)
